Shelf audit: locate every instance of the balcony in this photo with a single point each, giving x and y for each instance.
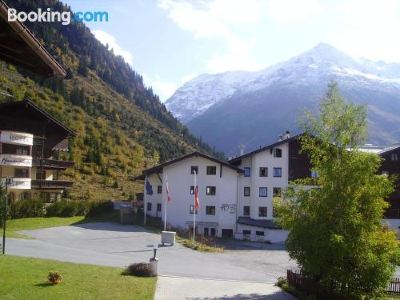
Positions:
(15, 160)
(16, 138)
(19, 184)
(51, 184)
(52, 164)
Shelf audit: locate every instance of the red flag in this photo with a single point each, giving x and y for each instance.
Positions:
(167, 189)
(196, 197)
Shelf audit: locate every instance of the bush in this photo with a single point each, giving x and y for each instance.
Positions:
(27, 209)
(65, 208)
(97, 208)
(54, 277)
(140, 269)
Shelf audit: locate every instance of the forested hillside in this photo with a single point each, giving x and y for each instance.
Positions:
(121, 125)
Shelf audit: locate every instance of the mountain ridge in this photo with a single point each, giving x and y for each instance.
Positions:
(297, 84)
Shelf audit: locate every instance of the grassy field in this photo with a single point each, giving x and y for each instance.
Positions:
(26, 278)
(15, 225)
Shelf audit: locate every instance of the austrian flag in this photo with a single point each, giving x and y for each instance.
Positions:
(196, 198)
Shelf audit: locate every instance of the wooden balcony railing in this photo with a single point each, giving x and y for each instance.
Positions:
(50, 184)
(52, 163)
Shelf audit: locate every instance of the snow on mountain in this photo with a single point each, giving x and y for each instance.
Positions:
(251, 108)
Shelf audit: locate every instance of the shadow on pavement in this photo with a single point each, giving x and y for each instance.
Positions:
(247, 245)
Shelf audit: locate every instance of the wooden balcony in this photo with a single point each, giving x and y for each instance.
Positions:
(52, 164)
(50, 184)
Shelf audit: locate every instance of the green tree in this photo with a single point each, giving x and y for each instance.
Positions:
(335, 228)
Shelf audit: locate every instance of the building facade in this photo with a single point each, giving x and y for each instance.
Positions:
(236, 197)
(30, 140)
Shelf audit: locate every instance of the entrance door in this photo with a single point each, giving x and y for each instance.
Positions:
(227, 233)
(212, 231)
(206, 231)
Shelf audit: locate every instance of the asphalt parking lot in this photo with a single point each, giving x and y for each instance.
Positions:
(112, 244)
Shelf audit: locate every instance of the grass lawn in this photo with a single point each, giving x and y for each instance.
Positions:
(15, 225)
(26, 278)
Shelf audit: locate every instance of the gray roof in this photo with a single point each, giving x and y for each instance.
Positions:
(270, 224)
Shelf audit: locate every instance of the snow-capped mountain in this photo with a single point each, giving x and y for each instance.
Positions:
(251, 108)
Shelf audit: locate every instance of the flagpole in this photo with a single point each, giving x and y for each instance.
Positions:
(166, 202)
(194, 208)
(145, 202)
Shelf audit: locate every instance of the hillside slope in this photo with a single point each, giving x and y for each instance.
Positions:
(121, 125)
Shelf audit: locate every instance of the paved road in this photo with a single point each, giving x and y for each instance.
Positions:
(111, 244)
(179, 288)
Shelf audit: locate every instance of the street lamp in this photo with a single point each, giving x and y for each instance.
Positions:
(8, 181)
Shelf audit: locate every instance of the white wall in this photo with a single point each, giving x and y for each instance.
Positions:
(263, 159)
(180, 180)
(270, 235)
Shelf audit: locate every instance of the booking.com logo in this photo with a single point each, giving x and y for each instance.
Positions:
(63, 17)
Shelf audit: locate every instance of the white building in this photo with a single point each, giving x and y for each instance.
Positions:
(236, 197)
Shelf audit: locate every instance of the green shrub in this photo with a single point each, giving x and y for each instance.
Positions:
(65, 208)
(27, 208)
(97, 208)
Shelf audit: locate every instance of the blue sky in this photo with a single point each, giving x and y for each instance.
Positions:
(170, 42)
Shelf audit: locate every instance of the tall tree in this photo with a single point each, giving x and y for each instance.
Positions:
(335, 227)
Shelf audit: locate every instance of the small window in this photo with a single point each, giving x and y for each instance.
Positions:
(263, 172)
(262, 211)
(246, 232)
(246, 191)
(277, 152)
(158, 206)
(194, 169)
(211, 190)
(21, 173)
(211, 170)
(159, 189)
(247, 171)
(191, 209)
(263, 192)
(210, 210)
(260, 233)
(206, 231)
(191, 189)
(246, 210)
(277, 191)
(22, 151)
(394, 157)
(277, 172)
(148, 206)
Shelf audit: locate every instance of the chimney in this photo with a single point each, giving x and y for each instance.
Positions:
(241, 149)
(286, 135)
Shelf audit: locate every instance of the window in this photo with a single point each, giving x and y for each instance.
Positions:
(394, 157)
(262, 211)
(21, 173)
(22, 151)
(211, 170)
(194, 169)
(213, 232)
(191, 209)
(158, 206)
(263, 192)
(206, 231)
(263, 172)
(277, 191)
(277, 152)
(247, 171)
(277, 172)
(260, 233)
(191, 189)
(246, 191)
(246, 232)
(159, 189)
(148, 206)
(246, 210)
(210, 210)
(210, 190)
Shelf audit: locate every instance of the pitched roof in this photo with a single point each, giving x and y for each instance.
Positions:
(158, 168)
(17, 106)
(261, 149)
(389, 149)
(270, 224)
(19, 46)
